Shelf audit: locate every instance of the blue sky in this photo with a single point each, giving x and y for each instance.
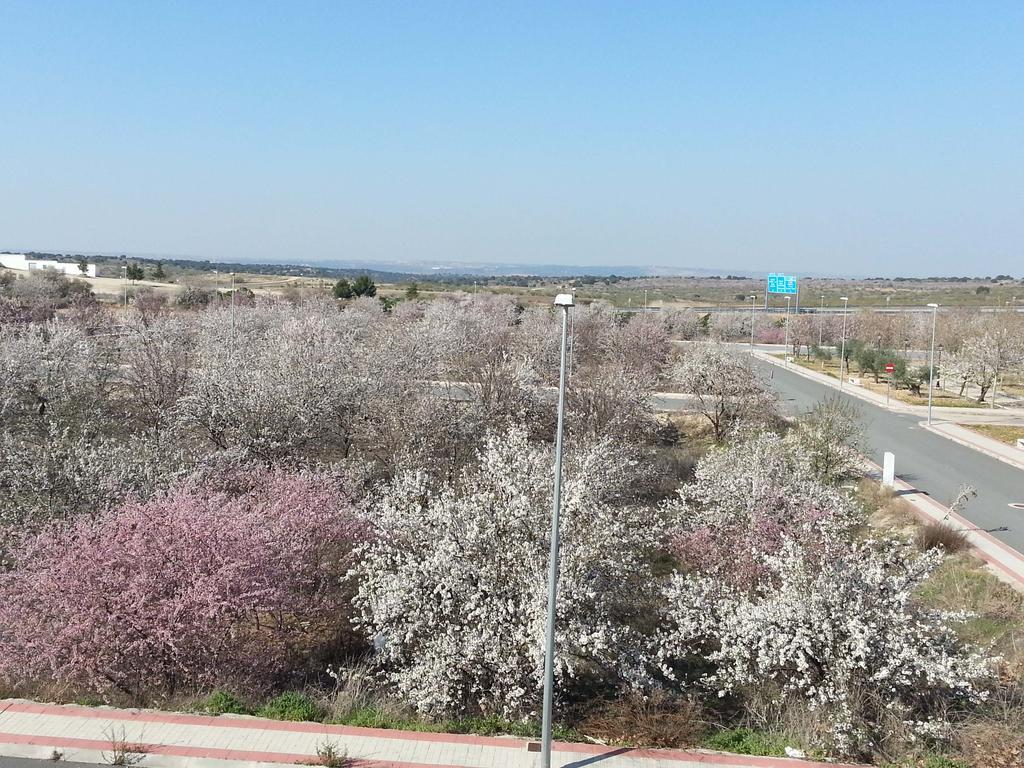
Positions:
(853, 137)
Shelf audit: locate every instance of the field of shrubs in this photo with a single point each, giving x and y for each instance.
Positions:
(338, 510)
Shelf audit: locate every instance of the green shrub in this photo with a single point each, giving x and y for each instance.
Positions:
(373, 717)
(743, 741)
(292, 705)
(224, 703)
(929, 761)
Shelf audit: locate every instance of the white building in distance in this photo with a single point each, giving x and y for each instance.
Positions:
(23, 263)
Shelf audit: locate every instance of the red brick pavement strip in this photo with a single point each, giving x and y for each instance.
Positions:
(252, 723)
(201, 752)
(71, 710)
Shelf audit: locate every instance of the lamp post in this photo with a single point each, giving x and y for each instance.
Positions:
(124, 279)
(565, 301)
(645, 299)
(572, 333)
(785, 356)
(232, 310)
(931, 361)
(821, 320)
(753, 298)
(842, 353)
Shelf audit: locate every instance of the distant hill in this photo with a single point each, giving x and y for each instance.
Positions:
(405, 271)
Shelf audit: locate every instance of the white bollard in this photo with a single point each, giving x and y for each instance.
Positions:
(889, 470)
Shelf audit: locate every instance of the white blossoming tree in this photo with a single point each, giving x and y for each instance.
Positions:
(987, 354)
(725, 386)
(844, 635)
(829, 436)
(747, 498)
(453, 585)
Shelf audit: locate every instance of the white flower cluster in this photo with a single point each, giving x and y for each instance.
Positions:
(768, 477)
(829, 631)
(726, 389)
(453, 586)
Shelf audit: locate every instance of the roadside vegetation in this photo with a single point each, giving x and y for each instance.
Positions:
(337, 510)
(1004, 433)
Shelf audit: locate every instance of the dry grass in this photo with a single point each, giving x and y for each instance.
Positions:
(886, 510)
(940, 397)
(963, 583)
(992, 736)
(658, 720)
(941, 536)
(1004, 433)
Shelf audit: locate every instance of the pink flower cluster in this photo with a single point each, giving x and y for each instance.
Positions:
(195, 588)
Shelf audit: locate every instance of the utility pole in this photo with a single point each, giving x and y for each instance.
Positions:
(565, 301)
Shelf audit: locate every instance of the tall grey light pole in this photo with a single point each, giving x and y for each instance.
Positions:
(821, 320)
(842, 353)
(785, 356)
(565, 301)
(124, 279)
(931, 361)
(232, 309)
(753, 298)
(572, 333)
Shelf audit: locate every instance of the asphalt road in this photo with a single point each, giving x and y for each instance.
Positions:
(933, 464)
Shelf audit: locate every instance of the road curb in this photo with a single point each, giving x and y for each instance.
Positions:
(1004, 561)
(975, 446)
(894, 406)
(828, 381)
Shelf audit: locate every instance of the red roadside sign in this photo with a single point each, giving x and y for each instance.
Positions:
(889, 367)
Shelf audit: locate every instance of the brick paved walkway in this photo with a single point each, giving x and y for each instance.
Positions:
(170, 740)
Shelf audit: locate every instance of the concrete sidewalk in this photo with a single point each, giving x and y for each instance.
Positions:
(979, 415)
(172, 740)
(997, 450)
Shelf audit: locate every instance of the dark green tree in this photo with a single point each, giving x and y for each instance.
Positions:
(134, 272)
(364, 286)
(412, 291)
(343, 289)
(158, 271)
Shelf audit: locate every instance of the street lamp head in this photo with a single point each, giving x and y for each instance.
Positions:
(564, 300)
(843, 298)
(934, 306)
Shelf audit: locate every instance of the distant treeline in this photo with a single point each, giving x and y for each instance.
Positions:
(296, 270)
(449, 278)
